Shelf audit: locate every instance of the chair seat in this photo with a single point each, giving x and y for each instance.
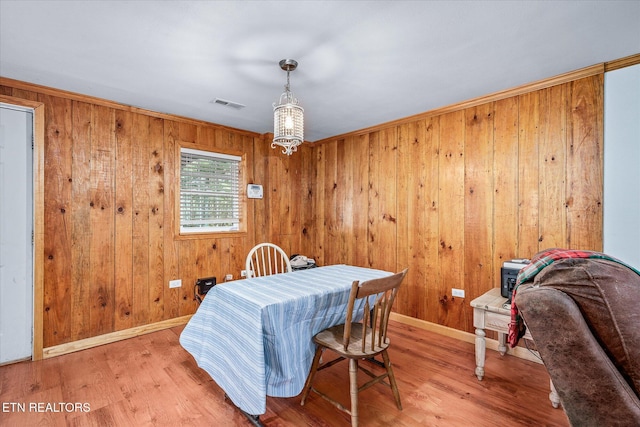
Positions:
(332, 339)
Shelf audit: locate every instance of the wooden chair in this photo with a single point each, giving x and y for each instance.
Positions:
(360, 340)
(265, 259)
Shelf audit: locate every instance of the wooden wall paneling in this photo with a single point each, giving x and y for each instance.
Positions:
(231, 141)
(407, 300)
(221, 263)
(276, 193)
(57, 241)
(28, 95)
(479, 202)
(296, 200)
(364, 175)
(331, 203)
(344, 203)
(360, 198)
(102, 217)
(123, 292)
(417, 215)
(300, 194)
(585, 164)
(81, 234)
(272, 209)
(213, 259)
(528, 174)
(373, 207)
(190, 251)
(282, 207)
(222, 138)
(188, 131)
(383, 199)
(340, 170)
(234, 140)
(241, 246)
(191, 258)
(552, 163)
(140, 225)
(169, 301)
(307, 225)
(259, 228)
(238, 250)
(505, 187)
(319, 205)
(289, 243)
(286, 212)
(208, 136)
(431, 209)
(451, 216)
(161, 192)
(288, 203)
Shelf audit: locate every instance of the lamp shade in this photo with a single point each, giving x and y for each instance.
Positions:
(288, 117)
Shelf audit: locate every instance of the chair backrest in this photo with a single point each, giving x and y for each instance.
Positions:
(265, 259)
(376, 312)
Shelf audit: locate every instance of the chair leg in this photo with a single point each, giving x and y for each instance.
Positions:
(312, 374)
(392, 379)
(353, 386)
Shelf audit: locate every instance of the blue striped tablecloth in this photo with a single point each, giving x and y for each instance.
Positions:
(254, 336)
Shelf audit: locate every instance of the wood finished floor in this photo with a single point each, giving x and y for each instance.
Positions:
(151, 380)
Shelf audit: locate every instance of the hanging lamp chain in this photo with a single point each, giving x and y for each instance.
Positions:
(288, 87)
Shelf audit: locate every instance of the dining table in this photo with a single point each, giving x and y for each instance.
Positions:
(254, 337)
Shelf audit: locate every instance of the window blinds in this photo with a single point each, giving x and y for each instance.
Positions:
(209, 191)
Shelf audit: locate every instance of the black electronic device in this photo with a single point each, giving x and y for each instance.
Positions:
(204, 285)
(509, 274)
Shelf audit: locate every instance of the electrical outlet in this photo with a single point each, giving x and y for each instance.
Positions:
(175, 283)
(457, 293)
(243, 273)
(228, 277)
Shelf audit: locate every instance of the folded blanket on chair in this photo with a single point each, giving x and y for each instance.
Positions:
(538, 263)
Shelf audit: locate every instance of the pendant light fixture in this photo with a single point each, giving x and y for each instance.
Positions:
(288, 116)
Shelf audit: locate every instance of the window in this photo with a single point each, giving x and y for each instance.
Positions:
(209, 191)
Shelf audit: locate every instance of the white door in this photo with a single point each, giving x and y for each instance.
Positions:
(16, 228)
(621, 160)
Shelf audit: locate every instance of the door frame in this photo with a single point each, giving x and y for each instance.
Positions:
(38, 218)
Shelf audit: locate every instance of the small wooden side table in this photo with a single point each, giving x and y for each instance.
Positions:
(491, 312)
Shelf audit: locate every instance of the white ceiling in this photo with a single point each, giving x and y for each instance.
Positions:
(361, 63)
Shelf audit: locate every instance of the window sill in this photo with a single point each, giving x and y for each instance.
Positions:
(209, 235)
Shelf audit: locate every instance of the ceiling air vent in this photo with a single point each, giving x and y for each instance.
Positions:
(226, 103)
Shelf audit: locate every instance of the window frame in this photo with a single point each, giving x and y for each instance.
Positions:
(242, 199)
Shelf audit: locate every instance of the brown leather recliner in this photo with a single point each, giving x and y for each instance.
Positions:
(584, 317)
